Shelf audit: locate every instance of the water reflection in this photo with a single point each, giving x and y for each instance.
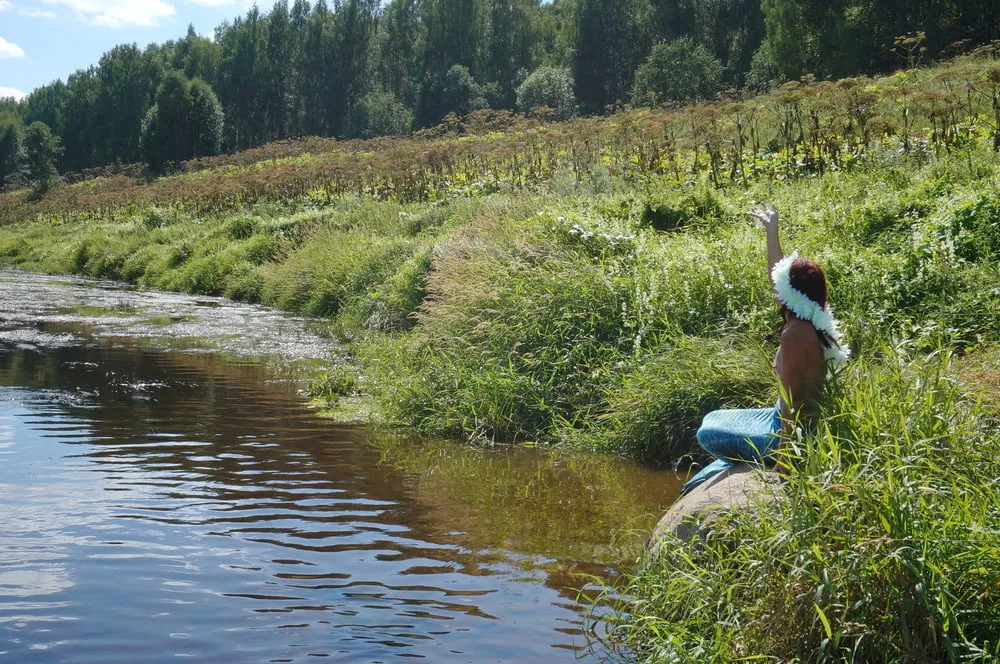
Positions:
(162, 504)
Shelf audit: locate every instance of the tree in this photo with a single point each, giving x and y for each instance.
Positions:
(731, 30)
(39, 151)
(277, 69)
(611, 38)
(298, 17)
(681, 71)
(10, 140)
(455, 92)
(675, 19)
(79, 130)
(242, 78)
(185, 122)
(400, 42)
(452, 39)
(507, 46)
(551, 87)
(454, 31)
(127, 83)
(315, 66)
(381, 114)
(354, 37)
(206, 120)
(45, 104)
(810, 37)
(196, 56)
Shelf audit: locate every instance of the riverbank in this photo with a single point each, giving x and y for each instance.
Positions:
(576, 319)
(607, 308)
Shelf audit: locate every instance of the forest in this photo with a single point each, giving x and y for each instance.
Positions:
(361, 68)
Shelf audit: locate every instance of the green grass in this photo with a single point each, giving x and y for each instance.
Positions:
(609, 321)
(887, 549)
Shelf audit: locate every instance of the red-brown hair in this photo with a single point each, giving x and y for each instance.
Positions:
(808, 278)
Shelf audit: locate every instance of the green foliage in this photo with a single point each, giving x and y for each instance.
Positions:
(455, 91)
(10, 138)
(595, 283)
(186, 121)
(38, 154)
(393, 304)
(296, 69)
(550, 87)
(205, 120)
(884, 551)
(461, 93)
(381, 114)
(679, 72)
(340, 381)
(764, 75)
(657, 407)
(611, 39)
(331, 270)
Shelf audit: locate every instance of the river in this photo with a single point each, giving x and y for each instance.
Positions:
(167, 495)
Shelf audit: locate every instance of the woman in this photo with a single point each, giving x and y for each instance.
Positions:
(810, 338)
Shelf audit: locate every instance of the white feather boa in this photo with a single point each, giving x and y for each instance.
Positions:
(806, 309)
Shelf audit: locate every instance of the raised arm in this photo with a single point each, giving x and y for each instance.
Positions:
(768, 217)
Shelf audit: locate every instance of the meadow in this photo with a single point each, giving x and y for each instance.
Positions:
(597, 284)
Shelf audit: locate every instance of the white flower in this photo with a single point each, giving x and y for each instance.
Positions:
(806, 309)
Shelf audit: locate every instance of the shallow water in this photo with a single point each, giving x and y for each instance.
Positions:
(165, 494)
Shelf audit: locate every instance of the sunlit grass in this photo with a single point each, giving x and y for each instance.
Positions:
(887, 549)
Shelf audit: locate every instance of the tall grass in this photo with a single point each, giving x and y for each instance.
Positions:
(887, 549)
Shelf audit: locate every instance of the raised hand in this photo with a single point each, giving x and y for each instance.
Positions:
(766, 215)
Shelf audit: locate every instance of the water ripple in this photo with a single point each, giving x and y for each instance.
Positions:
(159, 504)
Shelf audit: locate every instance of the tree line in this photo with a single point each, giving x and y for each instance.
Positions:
(361, 68)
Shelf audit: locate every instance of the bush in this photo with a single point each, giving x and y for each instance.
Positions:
(39, 150)
(681, 71)
(330, 270)
(764, 75)
(381, 114)
(185, 121)
(550, 87)
(393, 304)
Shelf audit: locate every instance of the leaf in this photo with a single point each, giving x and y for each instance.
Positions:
(824, 620)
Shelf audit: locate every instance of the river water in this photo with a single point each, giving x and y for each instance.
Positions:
(166, 495)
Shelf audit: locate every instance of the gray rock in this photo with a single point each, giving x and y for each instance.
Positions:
(701, 511)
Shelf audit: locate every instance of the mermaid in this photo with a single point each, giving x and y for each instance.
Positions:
(809, 340)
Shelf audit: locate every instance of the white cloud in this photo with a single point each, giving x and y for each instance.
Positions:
(36, 13)
(115, 13)
(11, 92)
(5, 5)
(8, 50)
(211, 3)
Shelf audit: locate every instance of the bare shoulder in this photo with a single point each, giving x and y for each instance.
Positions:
(801, 336)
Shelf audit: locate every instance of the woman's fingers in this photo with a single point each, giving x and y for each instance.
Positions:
(763, 215)
(766, 215)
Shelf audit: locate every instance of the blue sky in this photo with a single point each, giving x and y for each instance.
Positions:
(45, 40)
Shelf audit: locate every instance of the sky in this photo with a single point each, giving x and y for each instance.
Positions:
(45, 40)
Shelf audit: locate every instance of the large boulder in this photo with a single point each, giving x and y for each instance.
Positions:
(735, 489)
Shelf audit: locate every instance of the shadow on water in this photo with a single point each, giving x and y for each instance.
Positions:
(161, 503)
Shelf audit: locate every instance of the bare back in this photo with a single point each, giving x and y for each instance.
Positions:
(800, 368)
